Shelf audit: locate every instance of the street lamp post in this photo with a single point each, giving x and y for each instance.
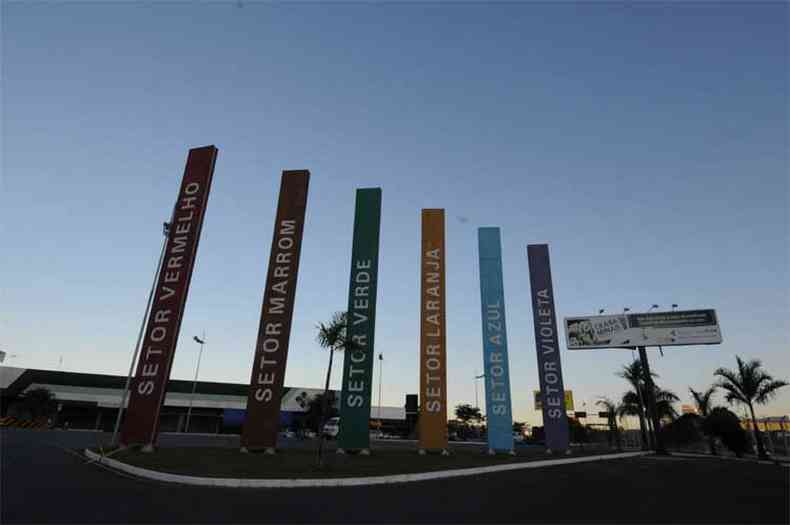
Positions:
(194, 383)
(125, 394)
(477, 404)
(381, 374)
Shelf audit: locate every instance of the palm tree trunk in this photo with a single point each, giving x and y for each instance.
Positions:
(324, 409)
(642, 429)
(760, 448)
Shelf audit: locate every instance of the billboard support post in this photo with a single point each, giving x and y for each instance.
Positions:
(658, 440)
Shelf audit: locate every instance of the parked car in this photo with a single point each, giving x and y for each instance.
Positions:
(331, 428)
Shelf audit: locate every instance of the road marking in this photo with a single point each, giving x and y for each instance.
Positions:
(344, 482)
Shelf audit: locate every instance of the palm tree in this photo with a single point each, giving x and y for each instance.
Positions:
(611, 416)
(39, 402)
(748, 385)
(332, 336)
(664, 401)
(634, 405)
(704, 406)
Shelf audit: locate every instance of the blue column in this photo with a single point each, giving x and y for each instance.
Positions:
(499, 413)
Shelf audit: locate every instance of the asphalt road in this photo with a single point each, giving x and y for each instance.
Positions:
(43, 482)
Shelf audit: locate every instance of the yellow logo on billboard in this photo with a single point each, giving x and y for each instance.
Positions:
(568, 400)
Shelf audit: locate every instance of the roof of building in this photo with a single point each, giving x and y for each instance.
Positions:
(105, 391)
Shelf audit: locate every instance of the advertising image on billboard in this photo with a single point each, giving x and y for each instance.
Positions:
(678, 328)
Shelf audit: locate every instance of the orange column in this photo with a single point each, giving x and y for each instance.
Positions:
(433, 334)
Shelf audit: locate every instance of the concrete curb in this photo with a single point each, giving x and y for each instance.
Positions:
(343, 482)
(730, 458)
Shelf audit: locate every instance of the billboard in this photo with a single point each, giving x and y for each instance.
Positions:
(499, 414)
(682, 327)
(555, 419)
(432, 423)
(568, 400)
(358, 364)
(141, 422)
(271, 350)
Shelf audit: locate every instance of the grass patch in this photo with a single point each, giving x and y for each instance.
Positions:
(301, 463)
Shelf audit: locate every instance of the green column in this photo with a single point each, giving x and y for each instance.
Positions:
(358, 364)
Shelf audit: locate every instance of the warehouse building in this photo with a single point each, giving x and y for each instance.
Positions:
(90, 401)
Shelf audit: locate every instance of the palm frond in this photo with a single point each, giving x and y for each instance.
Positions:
(767, 390)
(703, 400)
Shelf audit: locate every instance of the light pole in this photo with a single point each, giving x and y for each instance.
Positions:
(194, 383)
(124, 395)
(477, 404)
(381, 374)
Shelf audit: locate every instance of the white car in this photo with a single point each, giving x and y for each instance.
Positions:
(332, 428)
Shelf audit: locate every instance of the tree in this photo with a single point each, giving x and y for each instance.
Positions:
(704, 403)
(664, 401)
(334, 337)
(317, 410)
(634, 405)
(725, 425)
(611, 409)
(466, 413)
(39, 402)
(578, 432)
(748, 385)
(685, 430)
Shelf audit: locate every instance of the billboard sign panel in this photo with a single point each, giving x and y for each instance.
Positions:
(432, 422)
(358, 364)
(141, 422)
(271, 350)
(568, 400)
(499, 414)
(677, 328)
(555, 419)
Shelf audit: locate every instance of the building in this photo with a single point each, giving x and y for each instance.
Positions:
(90, 401)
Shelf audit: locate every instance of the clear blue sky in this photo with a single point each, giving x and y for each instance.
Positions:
(645, 142)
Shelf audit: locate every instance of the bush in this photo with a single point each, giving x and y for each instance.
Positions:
(685, 430)
(726, 426)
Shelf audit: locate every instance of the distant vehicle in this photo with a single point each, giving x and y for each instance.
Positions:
(309, 434)
(518, 437)
(377, 434)
(332, 428)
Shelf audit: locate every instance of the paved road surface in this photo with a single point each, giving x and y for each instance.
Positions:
(41, 482)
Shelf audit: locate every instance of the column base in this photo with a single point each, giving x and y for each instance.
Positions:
(270, 451)
(421, 452)
(364, 452)
(340, 451)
